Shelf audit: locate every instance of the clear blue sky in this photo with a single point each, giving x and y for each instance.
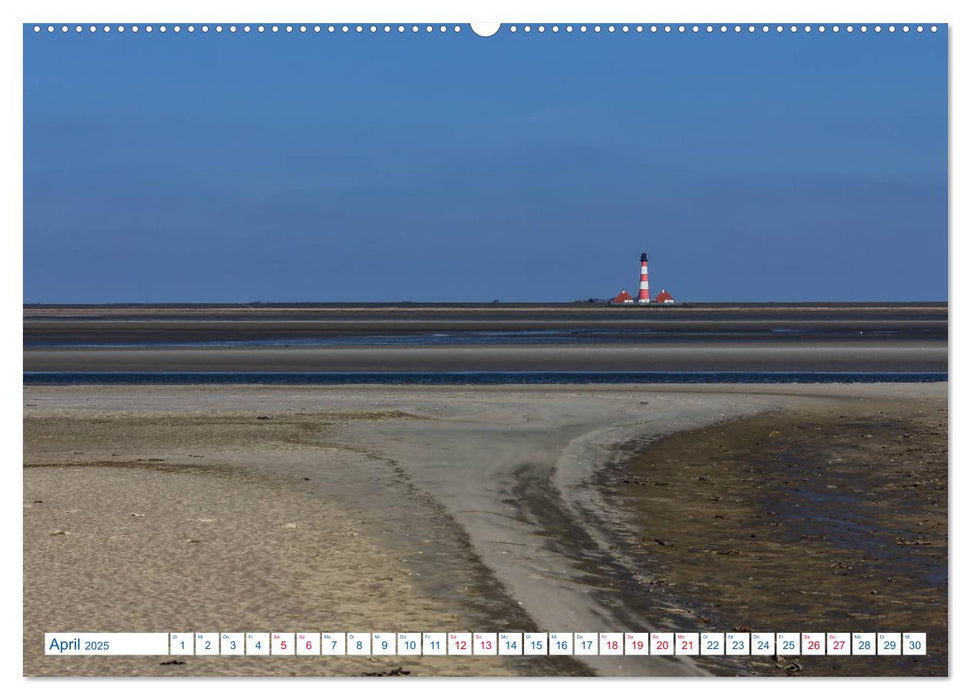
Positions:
(318, 167)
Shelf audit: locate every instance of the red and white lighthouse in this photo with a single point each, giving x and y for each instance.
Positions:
(644, 295)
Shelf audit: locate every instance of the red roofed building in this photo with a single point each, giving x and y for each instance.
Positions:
(623, 298)
(664, 298)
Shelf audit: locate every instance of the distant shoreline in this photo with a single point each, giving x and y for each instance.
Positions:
(505, 305)
(756, 338)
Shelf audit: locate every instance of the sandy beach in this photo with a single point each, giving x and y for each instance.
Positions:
(163, 508)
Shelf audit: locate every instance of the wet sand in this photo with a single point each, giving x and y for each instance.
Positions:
(827, 518)
(736, 356)
(434, 509)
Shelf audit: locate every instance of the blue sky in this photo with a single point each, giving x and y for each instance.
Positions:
(451, 167)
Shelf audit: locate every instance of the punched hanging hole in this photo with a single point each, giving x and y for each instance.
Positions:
(485, 28)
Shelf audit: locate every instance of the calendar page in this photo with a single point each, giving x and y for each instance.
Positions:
(447, 349)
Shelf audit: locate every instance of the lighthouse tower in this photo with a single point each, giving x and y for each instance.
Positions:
(644, 295)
